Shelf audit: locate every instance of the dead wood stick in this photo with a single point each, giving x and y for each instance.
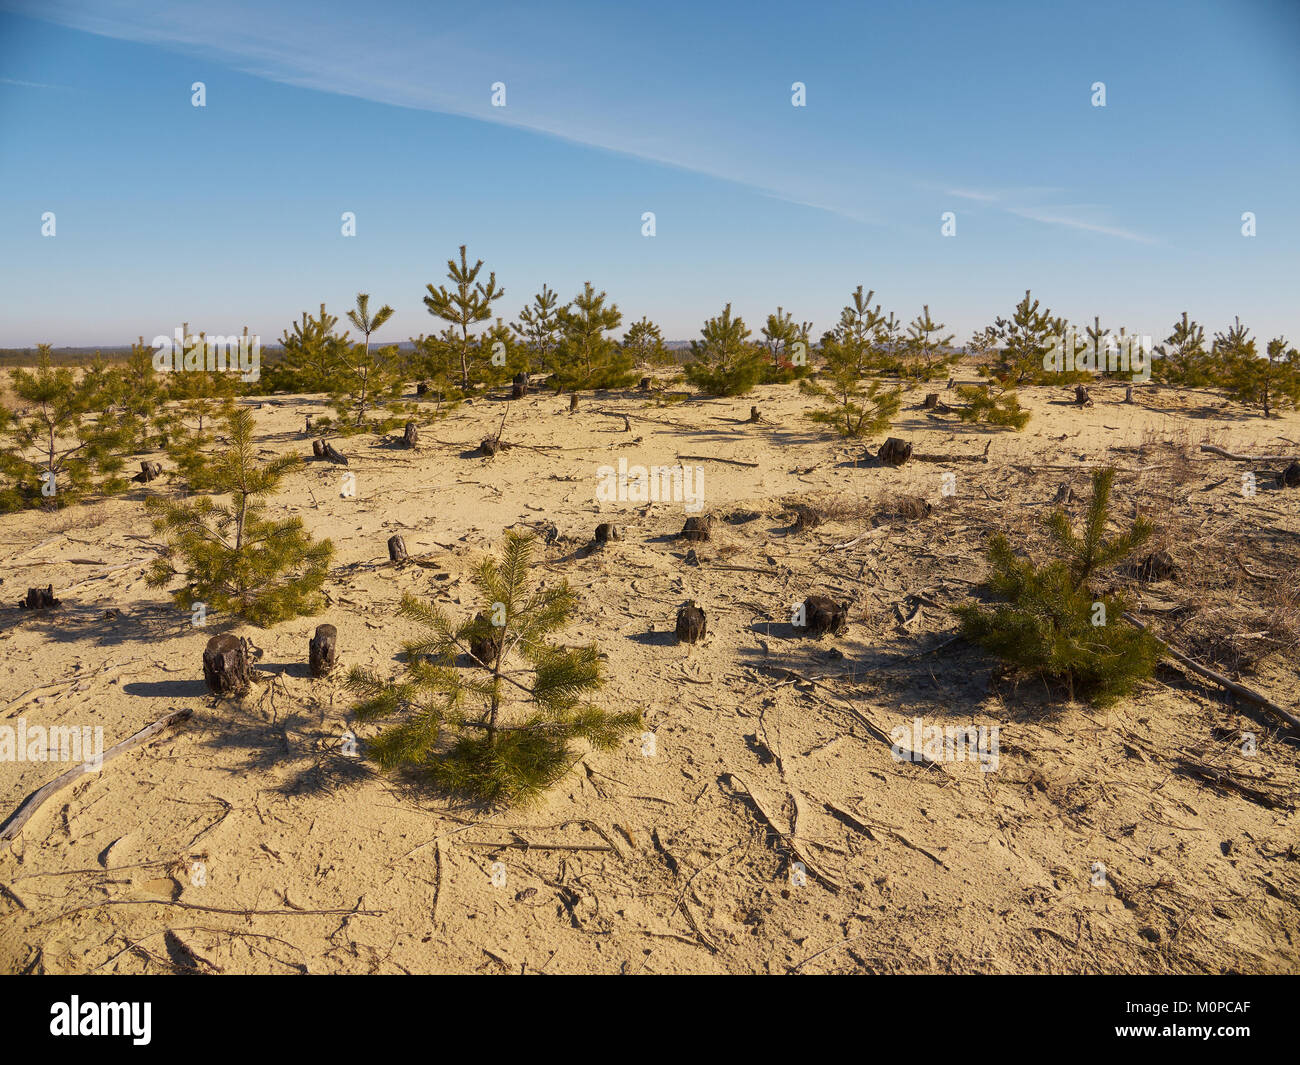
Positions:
(213, 909)
(37, 798)
(983, 456)
(717, 458)
(1239, 690)
(1245, 458)
(795, 848)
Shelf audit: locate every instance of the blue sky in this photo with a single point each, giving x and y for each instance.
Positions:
(230, 214)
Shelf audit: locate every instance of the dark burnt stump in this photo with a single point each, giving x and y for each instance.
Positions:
(691, 623)
(397, 550)
(931, 400)
(519, 386)
(149, 471)
(573, 403)
(644, 386)
(606, 532)
(894, 452)
(1081, 397)
(1157, 566)
(489, 446)
(225, 666)
(485, 640)
(40, 599)
(411, 435)
(318, 448)
(822, 615)
(754, 416)
(330, 452)
(805, 517)
(323, 651)
(1290, 477)
(699, 527)
(422, 389)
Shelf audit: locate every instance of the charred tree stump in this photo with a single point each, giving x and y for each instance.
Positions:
(411, 435)
(485, 641)
(606, 532)
(422, 388)
(519, 386)
(931, 400)
(225, 666)
(1290, 477)
(1128, 394)
(951, 382)
(318, 449)
(307, 428)
(644, 386)
(805, 517)
(894, 452)
(754, 416)
(490, 445)
(697, 528)
(397, 550)
(323, 651)
(1081, 397)
(40, 599)
(1157, 566)
(573, 402)
(822, 615)
(148, 471)
(691, 624)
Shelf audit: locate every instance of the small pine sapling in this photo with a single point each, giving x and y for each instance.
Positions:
(367, 385)
(232, 558)
(468, 302)
(586, 357)
(539, 329)
(723, 362)
(1050, 621)
(501, 730)
(992, 405)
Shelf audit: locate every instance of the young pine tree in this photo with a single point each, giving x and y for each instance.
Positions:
(992, 405)
(782, 336)
(587, 358)
(468, 303)
(1271, 383)
(1023, 341)
(644, 342)
(309, 355)
(366, 386)
(539, 329)
(928, 352)
(1183, 359)
(58, 445)
(857, 406)
(501, 730)
(723, 361)
(234, 559)
(1050, 621)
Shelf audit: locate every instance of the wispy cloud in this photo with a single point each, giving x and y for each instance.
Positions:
(33, 84)
(1055, 217)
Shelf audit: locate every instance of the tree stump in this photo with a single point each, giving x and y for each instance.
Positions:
(822, 615)
(225, 666)
(148, 471)
(422, 388)
(307, 427)
(606, 532)
(335, 456)
(519, 386)
(1128, 394)
(754, 416)
(1081, 397)
(1290, 477)
(691, 624)
(805, 517)
(951, 382)
(485, 640)
(40, 599)
(931, 400)
(894, 452)
(318, 448)
(644, 386)
(411, 435)
(489, 445)
(397, 550)
(1157, 566)
(573, 402)
(699, 527)
(323, 651)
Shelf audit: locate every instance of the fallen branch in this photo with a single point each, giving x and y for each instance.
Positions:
(37, 798)
(981, 457)
(716, 458)
(1224, 453)
(1239, 690)
(789, 838)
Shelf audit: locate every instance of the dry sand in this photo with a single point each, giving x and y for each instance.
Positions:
(665, 862)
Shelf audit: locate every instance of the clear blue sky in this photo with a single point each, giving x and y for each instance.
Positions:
(229, 215)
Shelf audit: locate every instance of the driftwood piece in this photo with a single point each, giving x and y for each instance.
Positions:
(323, 651)
(698, 527)
(822, 615)
(225, 665)
(691, 623)
(397, 550)
(40, 599)
(1239, 690)
(411, 435)
(894, 452)
(36, 799)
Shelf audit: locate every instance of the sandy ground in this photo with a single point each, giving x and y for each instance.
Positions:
(209, 850)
